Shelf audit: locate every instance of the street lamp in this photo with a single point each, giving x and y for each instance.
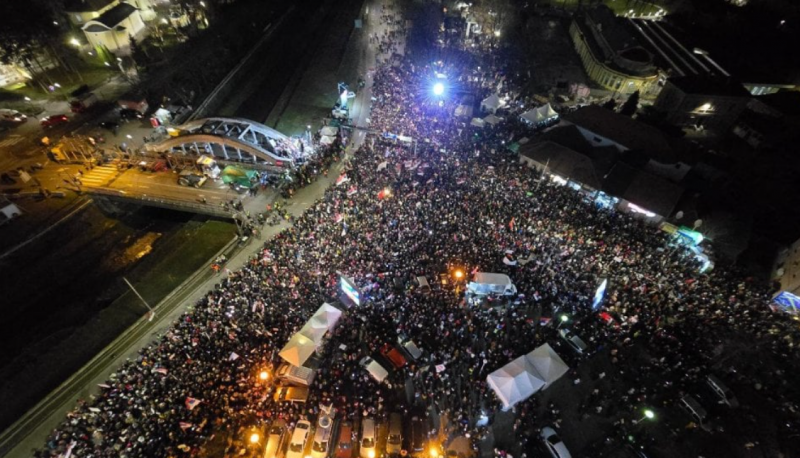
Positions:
(648, 415)
(263, 376)
(497, 33)
(438, 89)
(563, 319)
(74, 42)
(458, 274)
(254, 438)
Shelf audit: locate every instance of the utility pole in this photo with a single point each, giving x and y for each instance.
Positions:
(152, 313)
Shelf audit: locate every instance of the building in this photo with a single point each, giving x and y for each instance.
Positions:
(602, 127)
(79, 12)
(11, 74)
(787, 268)
(703, 101)
(611, 54)
(114, 28)
(771, 121)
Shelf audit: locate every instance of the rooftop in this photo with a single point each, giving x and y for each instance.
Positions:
(710, 85)
(627, 132)
(643, 189)
(114, 16)
(562, 161)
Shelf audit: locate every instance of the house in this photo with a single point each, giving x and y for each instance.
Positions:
(642, 193)
(114, 28)
(703, 101)
(562, 162)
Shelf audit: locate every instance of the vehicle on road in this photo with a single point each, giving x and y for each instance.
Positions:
(723, 394)
(275, 438)
(375, 370)
(296, 375)
(344, 446)
(394, 443)
(109, 125)
(291, 394)
(694, 409)
(410, 348)
(554, 444)
(419, 436)
(321, 445)
(575, 342)
(395, 357)
(54, 120)
(83, 102)
(368, 438)
(191, 178)
(8, 116)
(297, 444)
(127, 113)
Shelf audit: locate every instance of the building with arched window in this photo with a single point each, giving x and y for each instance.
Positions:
(611, 54)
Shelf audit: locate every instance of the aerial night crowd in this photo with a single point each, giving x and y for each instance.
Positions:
(458, 200)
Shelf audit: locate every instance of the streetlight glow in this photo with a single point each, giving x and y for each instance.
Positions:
(74, 41)
(497, 33)
(372, 454)
(254, 438)
(438, 89)
(564, 318)
(263, 375)
(649, 414)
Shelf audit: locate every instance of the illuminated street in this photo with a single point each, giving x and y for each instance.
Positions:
(441, 251)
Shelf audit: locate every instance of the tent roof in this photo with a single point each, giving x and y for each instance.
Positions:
(329, 131)
(492, 119)
(297, 350)
(515, 382)
(547, 363)
(327, 315)
(477, 122)
(492, 101)
(492, 279)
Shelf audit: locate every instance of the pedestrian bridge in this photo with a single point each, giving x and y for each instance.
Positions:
(230, 140)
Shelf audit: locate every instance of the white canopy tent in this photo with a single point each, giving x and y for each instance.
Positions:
(477, 122)
(491, 103)
(548, 364)
(487, 283)
(298, 349)
(314, 330)
(541, 114)
(322, 321)
(515, 382)
(329, 131)
(492, 119)
(326, 140)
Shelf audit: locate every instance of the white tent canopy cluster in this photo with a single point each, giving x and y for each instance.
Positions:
(304, 342)
(524, 376)
(491, 103)
(540, 114)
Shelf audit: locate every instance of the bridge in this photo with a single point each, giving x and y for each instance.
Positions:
(231, 141)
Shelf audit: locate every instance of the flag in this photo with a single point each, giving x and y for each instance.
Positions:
(233, 357)
(382, 165)
(511, 223)
(339, 218)
(184, 425)
(342, 179)
(191, 403)
(440, 368)
(161, 370)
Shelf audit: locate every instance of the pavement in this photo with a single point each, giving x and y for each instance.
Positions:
(32, 430)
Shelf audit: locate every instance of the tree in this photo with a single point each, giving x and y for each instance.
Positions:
(610, 105)
(630, 105)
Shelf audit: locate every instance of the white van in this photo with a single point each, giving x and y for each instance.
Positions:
(368, 439)
(277, 433)
(298, 375)
(376, 371)
(321, 446)
(299, 438)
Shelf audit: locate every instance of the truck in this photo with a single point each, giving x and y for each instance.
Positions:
(134, 103)
(82, 103)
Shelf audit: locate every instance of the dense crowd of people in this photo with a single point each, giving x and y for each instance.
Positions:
(454, 199)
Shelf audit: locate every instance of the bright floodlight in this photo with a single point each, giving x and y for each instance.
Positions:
(254, 438)
(649, 414)
(438, 88)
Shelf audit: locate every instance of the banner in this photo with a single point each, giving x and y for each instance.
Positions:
(191, 403)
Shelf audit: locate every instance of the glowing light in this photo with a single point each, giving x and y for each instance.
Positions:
(74, 42)
(438, 88)
(254, 438)
(372, 454)
(459, 274)
(263, 375)
(497, 33)
(649, 414)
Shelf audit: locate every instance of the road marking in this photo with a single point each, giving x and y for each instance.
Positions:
(12, 140)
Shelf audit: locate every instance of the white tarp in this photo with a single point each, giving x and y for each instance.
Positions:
(540, 114)
(298, 350)
(491, 103)
(329, 131)
(477, 122)
(321, 322)
(548, 364)
(326, 140)
(487, 283)
(515, 382)
(491, 119)
(314, 330)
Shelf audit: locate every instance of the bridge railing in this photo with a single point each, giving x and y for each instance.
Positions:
(162, 202)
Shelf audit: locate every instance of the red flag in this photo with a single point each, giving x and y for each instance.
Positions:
(191, 403)
(161, 370)
(184, 425)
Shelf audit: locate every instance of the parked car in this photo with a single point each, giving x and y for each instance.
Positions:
(83, 102)
(344, 446)
(297, 444)
(54, 120)
(191, 178)
(368, 438)
(419, 435)
(395, 357)
(410, 347)
(554, 444)
(722, 392)
(109, 125)
(693, 408)
(127, 113)
(275, 438)
(8, 116)
(573, 341)
(394, 443)
(292, 394)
